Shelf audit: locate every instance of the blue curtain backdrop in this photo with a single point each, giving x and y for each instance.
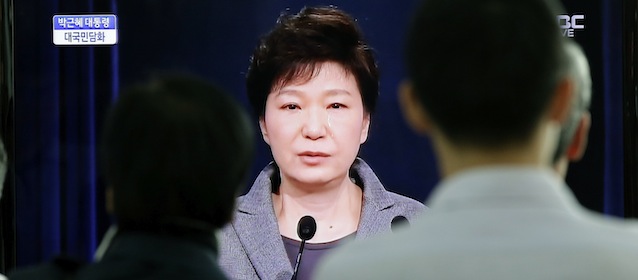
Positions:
(217, 45)
(613, 118)
(62, 94)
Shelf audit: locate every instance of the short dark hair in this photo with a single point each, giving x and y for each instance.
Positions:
(176, 149)
(581, 99)
(298, 43)
(485, 70)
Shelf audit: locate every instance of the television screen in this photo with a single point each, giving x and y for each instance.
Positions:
(69, 59)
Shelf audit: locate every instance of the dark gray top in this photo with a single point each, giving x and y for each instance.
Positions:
(311, 255)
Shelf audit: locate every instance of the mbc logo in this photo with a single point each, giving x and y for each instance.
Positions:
(570, 23)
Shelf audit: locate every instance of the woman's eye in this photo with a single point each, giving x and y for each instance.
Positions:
(291, 107)
(336, 106)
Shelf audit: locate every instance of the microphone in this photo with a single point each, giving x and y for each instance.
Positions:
(398, 222)
(306, 229)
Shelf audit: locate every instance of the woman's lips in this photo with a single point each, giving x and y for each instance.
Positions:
(312, 157)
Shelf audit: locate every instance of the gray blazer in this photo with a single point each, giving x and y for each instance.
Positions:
(251, 246)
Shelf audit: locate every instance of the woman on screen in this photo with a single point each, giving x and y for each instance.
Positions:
(313, 84)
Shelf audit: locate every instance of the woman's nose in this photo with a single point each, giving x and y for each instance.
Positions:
(315, 122)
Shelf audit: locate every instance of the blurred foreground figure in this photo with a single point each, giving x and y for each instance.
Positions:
(176, 152)
(490, 84)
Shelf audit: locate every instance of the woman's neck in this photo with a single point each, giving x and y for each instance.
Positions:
(336, 207)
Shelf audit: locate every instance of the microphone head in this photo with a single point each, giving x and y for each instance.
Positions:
(398, 222)
(306, 228)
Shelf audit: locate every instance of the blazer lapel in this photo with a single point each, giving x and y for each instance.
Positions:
(259, 230)
(262, 242)
(375, 218)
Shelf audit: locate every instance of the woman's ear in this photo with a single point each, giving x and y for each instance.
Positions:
(365, 128)
(414, 114)
(264, 130)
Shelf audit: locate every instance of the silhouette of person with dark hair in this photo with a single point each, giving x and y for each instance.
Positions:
(176, 152)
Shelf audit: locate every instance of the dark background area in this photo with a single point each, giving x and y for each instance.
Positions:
(52, 115)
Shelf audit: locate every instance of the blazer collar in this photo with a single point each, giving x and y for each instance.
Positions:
(375, 200)
(375, 196)
(259, 199)
(260, 231)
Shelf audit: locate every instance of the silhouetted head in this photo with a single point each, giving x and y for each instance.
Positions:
(485, 71)
(176, 153)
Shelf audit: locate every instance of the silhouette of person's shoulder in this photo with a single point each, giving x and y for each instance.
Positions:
(61, 267)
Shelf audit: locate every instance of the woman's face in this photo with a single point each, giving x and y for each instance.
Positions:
(315, 128)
